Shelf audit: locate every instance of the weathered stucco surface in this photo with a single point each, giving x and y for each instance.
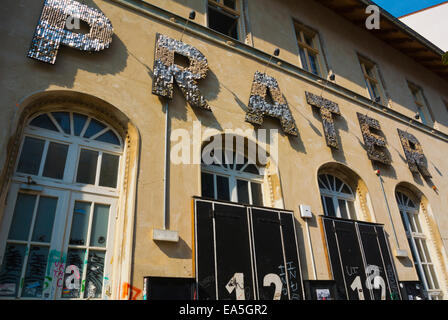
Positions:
(123, 77)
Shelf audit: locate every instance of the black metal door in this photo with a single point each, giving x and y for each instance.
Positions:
(360, 260)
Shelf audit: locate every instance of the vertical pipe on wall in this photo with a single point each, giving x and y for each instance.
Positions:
(388, 211)
(166, 168)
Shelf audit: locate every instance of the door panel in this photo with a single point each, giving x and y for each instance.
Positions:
(30, 239)
(245, 252)
(360, 260)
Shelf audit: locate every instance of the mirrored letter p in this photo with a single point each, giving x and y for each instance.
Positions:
(51, 32)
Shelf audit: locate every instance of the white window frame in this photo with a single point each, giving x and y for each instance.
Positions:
(421, 104)
(229, 171)
(375, 79)
(337, 195)
(67, 189)
(315, 49)
(411, 217)
(93, 199)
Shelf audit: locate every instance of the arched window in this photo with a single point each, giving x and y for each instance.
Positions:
(337, 197)
(409, 211)
(57, 231)
(233, 179)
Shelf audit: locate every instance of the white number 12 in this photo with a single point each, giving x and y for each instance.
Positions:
(237, 283)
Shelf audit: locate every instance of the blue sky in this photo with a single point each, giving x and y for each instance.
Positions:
(401, 7)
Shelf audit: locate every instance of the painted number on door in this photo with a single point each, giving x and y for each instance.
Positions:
(373, 281)
(236, 283)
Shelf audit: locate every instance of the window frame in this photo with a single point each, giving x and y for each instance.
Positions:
(14, 191)
(67, 189)
(93, 199)
(336, 196)
(233, 174)
(233, 13)
(300, 30)
(75, 143)
(421, 104)
(412, 214)
(365, 64)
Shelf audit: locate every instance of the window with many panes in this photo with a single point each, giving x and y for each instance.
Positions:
(410, 216)
(310, 52)
(223, 16)
(420, 103)
(337, 197)
(57, 231)
(233, 180)
(372, 80)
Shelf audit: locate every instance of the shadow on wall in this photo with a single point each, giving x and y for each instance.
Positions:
(179, 250)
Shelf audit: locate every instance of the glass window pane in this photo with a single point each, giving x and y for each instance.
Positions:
(79, 121)
(403, 219)
(257, 194)
(109, 170)
(109, 137)
(63, 119)
(43, 226)
(222, 184)
(422, 115)
(207, 185)
(303, 58)
(98, 237)
(418, 228)
(35, 272)
(343, 209)
(412, 222)
(330, 211)
(425, 249)
(345, 189)
(75, 259)
(55, 161)
(308, 40)
(251, 168)
(43, 121)
(434, 277)
(412, 246)
(11, 269)
(428, 276)
(23, 214)
(230, 4)
(313, 62)
(338, 184)
(321, 184)
(94, 276)
(351, 210)
(80, 223)
(87, 166)
(93, 128)
(374, 89)
(242, 188)
(420, 250)
(32, 150)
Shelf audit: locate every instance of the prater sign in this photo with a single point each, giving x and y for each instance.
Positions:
(265, 99)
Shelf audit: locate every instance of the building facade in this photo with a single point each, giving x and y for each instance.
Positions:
(114, 116)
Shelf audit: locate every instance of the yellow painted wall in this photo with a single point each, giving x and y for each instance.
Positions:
(122, 76)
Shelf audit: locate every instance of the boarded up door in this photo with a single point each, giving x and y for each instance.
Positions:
(360, 260)
(245, 252)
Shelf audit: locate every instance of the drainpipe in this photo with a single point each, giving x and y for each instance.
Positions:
(165, 234)
(399, 253)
